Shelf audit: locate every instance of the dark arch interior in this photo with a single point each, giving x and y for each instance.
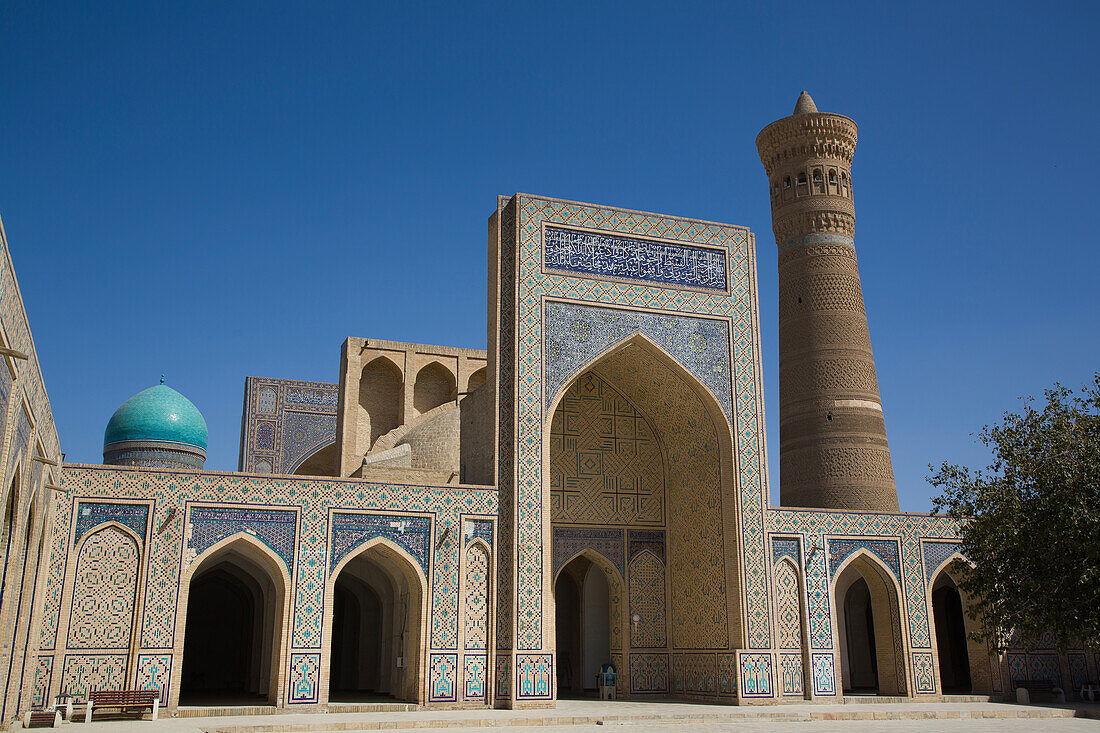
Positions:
(567, 607)
(951, 639)
(355, 671)
(859, 630)
(226, 637)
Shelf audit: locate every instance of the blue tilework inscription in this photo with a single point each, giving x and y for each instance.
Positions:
(589, 253)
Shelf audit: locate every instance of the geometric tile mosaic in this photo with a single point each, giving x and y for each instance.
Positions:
(649, 673)
(104, 591)
(577, 334)
(275, 528)
(605, 462)
(84, 672)
(154, 672)
(756, 675)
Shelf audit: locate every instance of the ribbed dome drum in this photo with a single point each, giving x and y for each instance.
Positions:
(158, 428)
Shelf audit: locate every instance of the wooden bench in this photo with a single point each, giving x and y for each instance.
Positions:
(124, 700)
(42, 719)
(1026, 688)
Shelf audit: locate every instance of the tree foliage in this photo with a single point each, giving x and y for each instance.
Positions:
(1030, 521)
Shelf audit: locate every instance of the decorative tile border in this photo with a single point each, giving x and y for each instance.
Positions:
(154, 672)
(823, 674)
(276, 528)
(649, 673)
(924, 676)
(349, 530)
(534, 676)
(304, 679)
(442, 673)
(568, 541)
(757, 675)
(90, 514)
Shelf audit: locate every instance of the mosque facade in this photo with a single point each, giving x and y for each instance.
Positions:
(461, 528)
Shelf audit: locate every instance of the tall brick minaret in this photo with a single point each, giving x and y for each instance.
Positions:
(833, 452)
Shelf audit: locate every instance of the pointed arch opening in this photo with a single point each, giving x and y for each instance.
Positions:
(476, 380)
(234, 627)
(381, 400)
(376, 631)
(960, 656)
(589, 624)
(868, 623)
(434, 386)
(321, 462)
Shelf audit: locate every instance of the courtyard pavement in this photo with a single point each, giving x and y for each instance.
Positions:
(680, 717)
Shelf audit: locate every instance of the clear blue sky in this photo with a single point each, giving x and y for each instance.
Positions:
(213, 190)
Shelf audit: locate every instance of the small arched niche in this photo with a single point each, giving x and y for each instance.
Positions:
(381, 398)
(434, 386)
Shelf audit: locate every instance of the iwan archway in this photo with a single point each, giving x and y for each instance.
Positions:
(376, 629)
(639, 472)
(234, 627)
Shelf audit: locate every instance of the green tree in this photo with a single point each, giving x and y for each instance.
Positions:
(1030, 521)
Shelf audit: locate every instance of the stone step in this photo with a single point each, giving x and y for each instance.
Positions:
(929, 712)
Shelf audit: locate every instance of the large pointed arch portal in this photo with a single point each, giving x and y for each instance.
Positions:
(637, 455)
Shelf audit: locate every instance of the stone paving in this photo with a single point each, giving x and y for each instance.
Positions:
(655, 716)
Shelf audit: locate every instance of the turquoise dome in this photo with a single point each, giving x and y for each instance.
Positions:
(157, 413)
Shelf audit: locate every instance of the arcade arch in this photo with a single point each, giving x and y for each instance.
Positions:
(868, 623)
(961, 659)
(377, 629)
(476, 380)
(235, 625)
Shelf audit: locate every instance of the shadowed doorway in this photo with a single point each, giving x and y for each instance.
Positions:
(583, 607)
(860, 660)
(229, 636)
(947, 611)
